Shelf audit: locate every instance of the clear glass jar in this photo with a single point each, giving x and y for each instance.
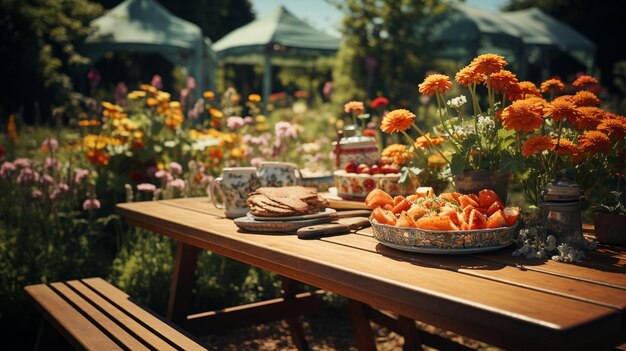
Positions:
(560, 212)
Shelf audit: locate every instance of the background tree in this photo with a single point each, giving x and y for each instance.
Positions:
(38, 49)
(600, 21)
(380, 53)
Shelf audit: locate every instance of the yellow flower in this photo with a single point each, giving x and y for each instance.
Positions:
(174, 104)
(163, 96)
(436, 161)
(149, 88)
(260, 119)
(236, 152)
(151, 102)
(136, 94)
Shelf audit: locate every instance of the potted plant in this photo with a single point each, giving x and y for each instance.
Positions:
(609, 219)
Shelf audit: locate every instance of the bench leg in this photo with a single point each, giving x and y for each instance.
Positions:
(48, 338)
(289, 290)
(183, 278)
(361, 326)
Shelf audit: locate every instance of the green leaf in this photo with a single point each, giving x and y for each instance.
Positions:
(457, 164)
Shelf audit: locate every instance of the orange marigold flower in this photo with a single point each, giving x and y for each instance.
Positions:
(614, 127)
(397, 152)
(356, 107)
(552, 86)
(488, 63)
(522, 115)
(397, 120)
(593, 141)
(584, 80)
(254, 98)
(152, 102)
(566, 147)
(467, 75)
(585, 98)
(435, 84)
(209, 95)
(589, 119)
(427, 140)
(216, 113)
(562, 108)
(503, 81)
(537, 144)
(529, 88)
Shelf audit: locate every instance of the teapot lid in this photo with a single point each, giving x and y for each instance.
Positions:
(561, 191)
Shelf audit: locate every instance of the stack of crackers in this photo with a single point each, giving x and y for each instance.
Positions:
(285, 201)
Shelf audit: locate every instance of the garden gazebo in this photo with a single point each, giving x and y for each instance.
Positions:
(146, 26)
(267, 40)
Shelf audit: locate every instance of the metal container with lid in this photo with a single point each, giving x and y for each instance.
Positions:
(560, 212)
(352, 146)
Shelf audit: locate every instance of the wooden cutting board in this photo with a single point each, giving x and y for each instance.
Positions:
(253, 224)
(338, 203)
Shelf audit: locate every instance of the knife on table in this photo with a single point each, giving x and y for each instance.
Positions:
(343, 226)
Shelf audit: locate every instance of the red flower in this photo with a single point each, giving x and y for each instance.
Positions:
(369, 132)
(380, 101)
(369, 184)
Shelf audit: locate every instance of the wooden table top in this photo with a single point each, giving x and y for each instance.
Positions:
(508, 301)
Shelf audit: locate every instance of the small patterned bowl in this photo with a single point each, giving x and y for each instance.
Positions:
(353, 186)
(443, 241)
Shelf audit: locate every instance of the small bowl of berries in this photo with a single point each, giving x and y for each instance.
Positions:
(355, 181)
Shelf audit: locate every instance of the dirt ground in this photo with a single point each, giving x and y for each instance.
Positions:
(327, 330)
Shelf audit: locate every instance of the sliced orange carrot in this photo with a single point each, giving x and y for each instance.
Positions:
(496, 220)
(406, 221)
(496, 206)
(383, 217)
(477, 220)
(378, 198)
(401, 206)
(397, 199)
(436, 223)
(466, 200)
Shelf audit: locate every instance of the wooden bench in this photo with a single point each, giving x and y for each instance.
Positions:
(92, 314)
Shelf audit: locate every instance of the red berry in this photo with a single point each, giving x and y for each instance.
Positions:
(365, 170)
(351, 167)
(361, 167)
(375, 169)
(389, 169)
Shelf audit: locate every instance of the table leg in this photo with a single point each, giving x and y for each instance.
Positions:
(183, 278)
(289, 289)
(412, 339)
(361, 326)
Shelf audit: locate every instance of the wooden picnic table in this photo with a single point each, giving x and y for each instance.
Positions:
(494, 297)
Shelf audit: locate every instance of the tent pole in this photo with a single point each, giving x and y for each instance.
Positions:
(267, 79)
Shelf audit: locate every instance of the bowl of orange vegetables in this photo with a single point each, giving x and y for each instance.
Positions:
(448, 223)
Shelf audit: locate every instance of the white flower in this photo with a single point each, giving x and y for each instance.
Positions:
(457, 102)
(486, 122)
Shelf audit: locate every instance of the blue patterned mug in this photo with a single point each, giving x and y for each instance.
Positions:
(278, 174)
(234, 186)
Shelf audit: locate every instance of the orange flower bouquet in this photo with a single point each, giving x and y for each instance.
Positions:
(567, 135)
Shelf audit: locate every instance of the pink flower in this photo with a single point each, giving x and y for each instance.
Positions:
(177, 184)
(79, 175)
(27, 175)
(285, 130)
(120, 93)
(91, 204)
(147, 187)
(191, 83)
(234, 122)
(54, 194)
(175, 167)
(50, 143)
(63, 187)
(256, 162)
(47, 179)
(22, 162)
(51, 163)
(165, 175)
(157, 82)
(248, 120)
(6, 169)
(36, 194)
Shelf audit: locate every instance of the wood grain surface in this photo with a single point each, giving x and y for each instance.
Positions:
(494, 297)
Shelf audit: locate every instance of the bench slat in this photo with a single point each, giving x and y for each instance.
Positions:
(77, 329)
(127, 322)
(102, 321)
(150, 321)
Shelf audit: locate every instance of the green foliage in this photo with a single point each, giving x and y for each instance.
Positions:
(39, 51)
(615, 203)
(380, 51)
